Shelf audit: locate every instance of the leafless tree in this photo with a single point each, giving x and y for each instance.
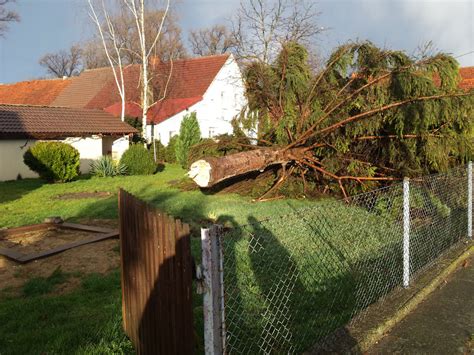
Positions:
(63, 63)
(6, 16)
(93, 54)
(217, 39)
(169, 45)
(101, 17)
(146, 50)
(260, 27)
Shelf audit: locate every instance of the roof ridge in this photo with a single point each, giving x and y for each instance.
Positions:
(36, 80)
(169, 61)
(51, 106)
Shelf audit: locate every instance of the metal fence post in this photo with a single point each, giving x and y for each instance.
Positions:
(213, 301)
(406, 232)
(469, 200)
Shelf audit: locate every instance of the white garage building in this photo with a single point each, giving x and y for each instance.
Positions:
(92, 132)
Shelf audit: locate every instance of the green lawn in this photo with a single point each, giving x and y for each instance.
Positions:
(297, 276)
(31, 200)
(88, 319)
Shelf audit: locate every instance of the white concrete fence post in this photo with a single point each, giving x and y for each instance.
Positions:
(469, 200)
(406, 232)
(213, 300)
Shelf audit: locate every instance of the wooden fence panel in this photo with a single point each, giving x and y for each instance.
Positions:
(156, 279)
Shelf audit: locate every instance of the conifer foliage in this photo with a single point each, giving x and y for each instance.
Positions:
(189, 135)
(370, 115)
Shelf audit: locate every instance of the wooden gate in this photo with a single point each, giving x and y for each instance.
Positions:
(156, 279)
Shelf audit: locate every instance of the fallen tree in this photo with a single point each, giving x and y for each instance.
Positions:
(370, 116)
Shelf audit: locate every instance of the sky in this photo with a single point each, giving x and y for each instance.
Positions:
(52, 25)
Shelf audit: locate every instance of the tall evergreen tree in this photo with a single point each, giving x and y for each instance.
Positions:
(189, 135)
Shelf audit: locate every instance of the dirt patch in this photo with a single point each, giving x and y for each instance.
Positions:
(81, 195)
(100, 257)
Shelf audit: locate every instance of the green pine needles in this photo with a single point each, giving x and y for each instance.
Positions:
(369, 116)
(189, 135)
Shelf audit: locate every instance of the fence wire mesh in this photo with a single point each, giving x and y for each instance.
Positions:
(292, 280)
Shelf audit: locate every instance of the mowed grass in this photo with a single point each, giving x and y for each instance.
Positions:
(31, 200)
(293, 268)
(88, 320)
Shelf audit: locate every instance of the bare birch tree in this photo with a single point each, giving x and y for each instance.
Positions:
(138, 10)
(101, 17)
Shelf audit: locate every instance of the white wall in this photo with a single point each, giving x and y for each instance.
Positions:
(11, 159)
(223, 100)
(90, 149)
(119, 146)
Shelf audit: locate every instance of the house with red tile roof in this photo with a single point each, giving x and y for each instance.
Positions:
(211, 86)
(93, 133)
(467, 78)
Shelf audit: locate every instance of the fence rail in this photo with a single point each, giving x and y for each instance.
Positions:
(289, 281)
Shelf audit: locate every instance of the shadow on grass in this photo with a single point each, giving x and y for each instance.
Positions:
(16, 189)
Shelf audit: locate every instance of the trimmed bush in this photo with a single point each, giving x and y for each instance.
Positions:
(53, 161)
(189, 135)
(170, 150)
(138, 160)
(106, 166)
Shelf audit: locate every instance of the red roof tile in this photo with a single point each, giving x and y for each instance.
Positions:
(42, 122)
(467, 78)
(35, 92)
(157, 113)
(190, 78)
(83, 88)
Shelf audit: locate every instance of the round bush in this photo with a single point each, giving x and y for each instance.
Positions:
(53, 161)
(138, 160)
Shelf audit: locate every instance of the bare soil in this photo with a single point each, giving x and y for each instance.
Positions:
(81, 195)
(100, 257)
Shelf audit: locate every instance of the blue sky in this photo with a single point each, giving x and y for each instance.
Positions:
(51, 25)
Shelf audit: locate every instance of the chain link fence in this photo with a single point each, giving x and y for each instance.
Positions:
(290, 281)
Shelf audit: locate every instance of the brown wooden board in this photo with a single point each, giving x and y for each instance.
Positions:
(25, 258)
(156, 279)
(98, 234)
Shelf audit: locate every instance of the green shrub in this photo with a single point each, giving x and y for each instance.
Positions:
(160, 151)
(189, 135)
(53, 161)
(137, 124)
(138, 160)
(106, 166)
(170, 150)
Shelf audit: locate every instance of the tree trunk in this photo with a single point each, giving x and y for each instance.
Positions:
(210, 171)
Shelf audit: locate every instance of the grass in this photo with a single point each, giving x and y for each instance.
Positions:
(85, 321)
(31, 200)
(88, 320)
(311, 259)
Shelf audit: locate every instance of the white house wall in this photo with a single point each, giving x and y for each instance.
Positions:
(90, 149)
(223, 100)
(11, 159)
